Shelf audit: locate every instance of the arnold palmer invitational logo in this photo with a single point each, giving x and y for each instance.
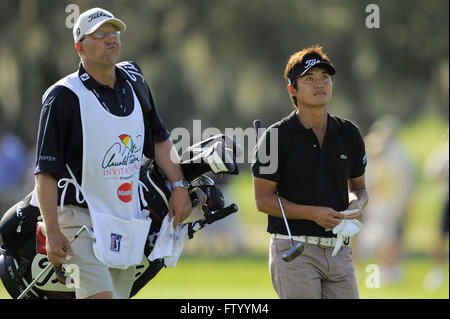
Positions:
(123, 159)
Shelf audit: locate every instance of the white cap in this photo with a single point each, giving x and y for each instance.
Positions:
(91, 20)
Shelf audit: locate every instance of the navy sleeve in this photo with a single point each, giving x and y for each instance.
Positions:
(159, 130)
(155, 130)
(55, 142)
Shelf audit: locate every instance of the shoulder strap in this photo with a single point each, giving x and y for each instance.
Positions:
(142, 92)
(140, 87)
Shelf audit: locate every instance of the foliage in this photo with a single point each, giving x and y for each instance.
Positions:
(222, 61)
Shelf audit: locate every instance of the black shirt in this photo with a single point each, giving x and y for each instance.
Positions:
(60, 140)
(307, 174)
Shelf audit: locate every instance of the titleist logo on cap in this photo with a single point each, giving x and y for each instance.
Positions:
(97, 15)
(311, 62)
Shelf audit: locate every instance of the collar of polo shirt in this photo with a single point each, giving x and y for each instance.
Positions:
(295, 124)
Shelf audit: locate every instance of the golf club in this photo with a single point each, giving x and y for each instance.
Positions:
(296, 249)
(257, 126)
(43, 272)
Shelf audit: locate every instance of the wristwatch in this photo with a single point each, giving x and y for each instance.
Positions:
(180, 183)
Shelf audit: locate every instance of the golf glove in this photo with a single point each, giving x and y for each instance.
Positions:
(345, 229)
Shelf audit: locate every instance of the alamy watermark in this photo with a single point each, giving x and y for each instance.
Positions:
(373, 19)
(74, 13)
(72, 272)
(235, 145)
(373, 277)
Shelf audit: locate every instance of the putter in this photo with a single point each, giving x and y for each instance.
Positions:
(257, 126)
(296, 249)
(43, 272)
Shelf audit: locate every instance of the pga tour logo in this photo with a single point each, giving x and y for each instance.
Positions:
(115, 242)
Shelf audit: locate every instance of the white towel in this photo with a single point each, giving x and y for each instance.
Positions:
(345, 229)
(170, 242)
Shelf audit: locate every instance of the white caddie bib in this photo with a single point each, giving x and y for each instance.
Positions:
(112, 155)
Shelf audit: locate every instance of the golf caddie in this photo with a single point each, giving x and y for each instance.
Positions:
(91, 141)
(315, 162)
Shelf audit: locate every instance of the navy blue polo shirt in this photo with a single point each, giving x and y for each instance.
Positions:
(307, 174)
(60, 139)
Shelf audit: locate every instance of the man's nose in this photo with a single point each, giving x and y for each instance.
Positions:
(109, 38)
(319, 83)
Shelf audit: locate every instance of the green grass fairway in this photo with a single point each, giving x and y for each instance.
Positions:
(220, 278)
(243, 278)
(248, 278)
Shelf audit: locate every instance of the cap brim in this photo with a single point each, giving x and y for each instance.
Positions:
(323, 65)
(116, 22)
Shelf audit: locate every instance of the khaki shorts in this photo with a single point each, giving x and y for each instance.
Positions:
(315, 274)
(94, 277)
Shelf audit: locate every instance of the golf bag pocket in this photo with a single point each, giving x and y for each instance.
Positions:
(156, 195)
(18, 224)
(119, 242)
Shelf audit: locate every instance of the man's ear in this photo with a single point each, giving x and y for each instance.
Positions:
(78, 47)
(292, 90)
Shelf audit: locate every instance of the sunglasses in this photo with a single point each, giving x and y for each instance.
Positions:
(102, 35)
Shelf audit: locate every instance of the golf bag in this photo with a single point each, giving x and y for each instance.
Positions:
(20, 262)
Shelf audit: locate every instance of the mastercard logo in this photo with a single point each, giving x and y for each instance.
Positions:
(125, 192)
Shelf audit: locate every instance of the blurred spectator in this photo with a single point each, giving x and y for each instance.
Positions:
(436, 169)
(390, 180)
(14, 160)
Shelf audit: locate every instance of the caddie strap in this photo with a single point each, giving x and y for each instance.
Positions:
(141, 90)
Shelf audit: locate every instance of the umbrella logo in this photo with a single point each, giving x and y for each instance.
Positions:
(125, 151)
(128, 142)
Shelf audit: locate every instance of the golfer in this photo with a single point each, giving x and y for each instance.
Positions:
(320, 163)
(91, 140)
